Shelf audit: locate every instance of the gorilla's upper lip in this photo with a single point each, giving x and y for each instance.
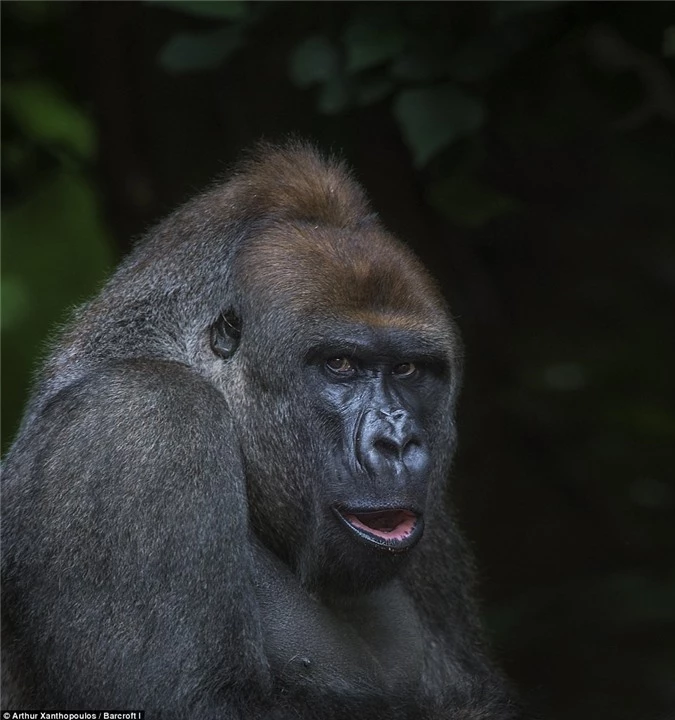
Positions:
(394, 529)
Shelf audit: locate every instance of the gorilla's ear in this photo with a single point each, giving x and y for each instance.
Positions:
(225, 334)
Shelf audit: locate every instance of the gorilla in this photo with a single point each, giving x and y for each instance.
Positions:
(226, 497)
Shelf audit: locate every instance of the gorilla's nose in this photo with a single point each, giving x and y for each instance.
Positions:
(394, 433)
(391, 444)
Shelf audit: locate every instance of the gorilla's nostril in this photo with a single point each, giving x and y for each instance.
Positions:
(395, 444)
(387, 446)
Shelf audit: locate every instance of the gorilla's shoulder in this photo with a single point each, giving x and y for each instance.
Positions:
(138, 386)
(131, 419)
(126, 411)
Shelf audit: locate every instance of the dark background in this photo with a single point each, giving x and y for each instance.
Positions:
(526, 151)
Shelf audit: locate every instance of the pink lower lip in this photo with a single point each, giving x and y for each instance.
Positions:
(396, 525)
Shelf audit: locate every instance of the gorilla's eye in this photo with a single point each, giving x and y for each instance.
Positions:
(341, 365)
(405, 369)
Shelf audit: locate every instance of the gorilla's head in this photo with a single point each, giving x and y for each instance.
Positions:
(340, 365)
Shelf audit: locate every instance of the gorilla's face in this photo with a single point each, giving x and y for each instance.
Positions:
(375, 391)
(345, 403)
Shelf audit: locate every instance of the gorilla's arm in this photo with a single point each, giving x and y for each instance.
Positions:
(457, 672)
(343, 652)
(131, 545)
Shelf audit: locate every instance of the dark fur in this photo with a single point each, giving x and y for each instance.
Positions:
(165, 544)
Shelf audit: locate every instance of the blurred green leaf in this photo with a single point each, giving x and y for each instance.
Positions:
(433, 118)
(15, 301)
(652, 493)
(47, 117)
(647, 598)
(469, 203)
(652, 420)
(564, 376)
(501, 11)
(188, 52)
(371, 39)
(334, 96)
(373, 90)
(477, 60)
(669, 41)
(216, 9)
(55, 252)
(418, 65)
(314, 60)
(35, 12)
(483, 55)
(55, 241)
(15, 155)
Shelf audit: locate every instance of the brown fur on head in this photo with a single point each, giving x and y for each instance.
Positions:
(322, 249)
(295, 182)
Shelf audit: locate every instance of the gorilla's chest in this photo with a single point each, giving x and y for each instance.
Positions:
(370, 648)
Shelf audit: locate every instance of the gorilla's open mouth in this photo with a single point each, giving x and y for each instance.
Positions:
(395, 530)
